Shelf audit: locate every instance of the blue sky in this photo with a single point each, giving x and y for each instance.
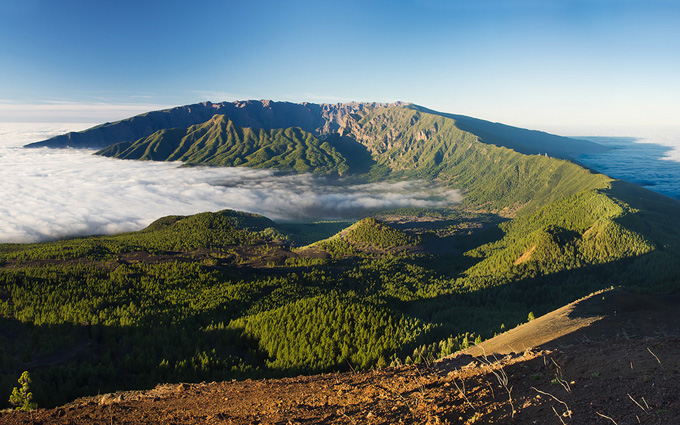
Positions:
(529, 63)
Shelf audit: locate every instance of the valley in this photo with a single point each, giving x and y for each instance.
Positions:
(225, 295)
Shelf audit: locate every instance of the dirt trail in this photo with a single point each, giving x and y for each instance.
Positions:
(601, 316)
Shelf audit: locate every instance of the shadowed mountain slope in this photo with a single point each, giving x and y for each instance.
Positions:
(601, 316)
(264, 114)
(529, 142)
(369, 141)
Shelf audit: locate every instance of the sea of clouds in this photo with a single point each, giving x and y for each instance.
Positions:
(667, 137)
(55, 193)
(645, 155)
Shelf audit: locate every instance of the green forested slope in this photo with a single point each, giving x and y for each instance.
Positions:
(328, 331)
(375, 233)
(220, 142)
(368, 237)
(530, 142)
(577, 231)
(173, 233)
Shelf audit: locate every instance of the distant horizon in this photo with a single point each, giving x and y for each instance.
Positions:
(523, 62)
(99, 113)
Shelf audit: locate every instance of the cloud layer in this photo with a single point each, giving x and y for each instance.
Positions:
(648, 156)
(49, 194)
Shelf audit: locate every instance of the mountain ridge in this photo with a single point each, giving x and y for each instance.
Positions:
(318, 119)
(519, 139)
(386, 142)
(265, 114)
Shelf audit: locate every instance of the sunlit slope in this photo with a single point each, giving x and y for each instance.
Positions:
(367, 237)
(222, 295)
(415, 144)
(220, 142)
(328, 331)
(593, 227)
(192, 298)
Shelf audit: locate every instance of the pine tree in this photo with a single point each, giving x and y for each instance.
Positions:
(21, 398)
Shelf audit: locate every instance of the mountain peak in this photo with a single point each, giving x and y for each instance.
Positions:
(220, 120)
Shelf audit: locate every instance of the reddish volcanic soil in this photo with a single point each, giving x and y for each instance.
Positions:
(612, 358)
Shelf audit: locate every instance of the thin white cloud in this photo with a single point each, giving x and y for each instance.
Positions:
(319, 98)
(220, 96)
(329, 98)
(54, 193)
(64, 111)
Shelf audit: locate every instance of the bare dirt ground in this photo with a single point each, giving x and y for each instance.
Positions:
(617, 362)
